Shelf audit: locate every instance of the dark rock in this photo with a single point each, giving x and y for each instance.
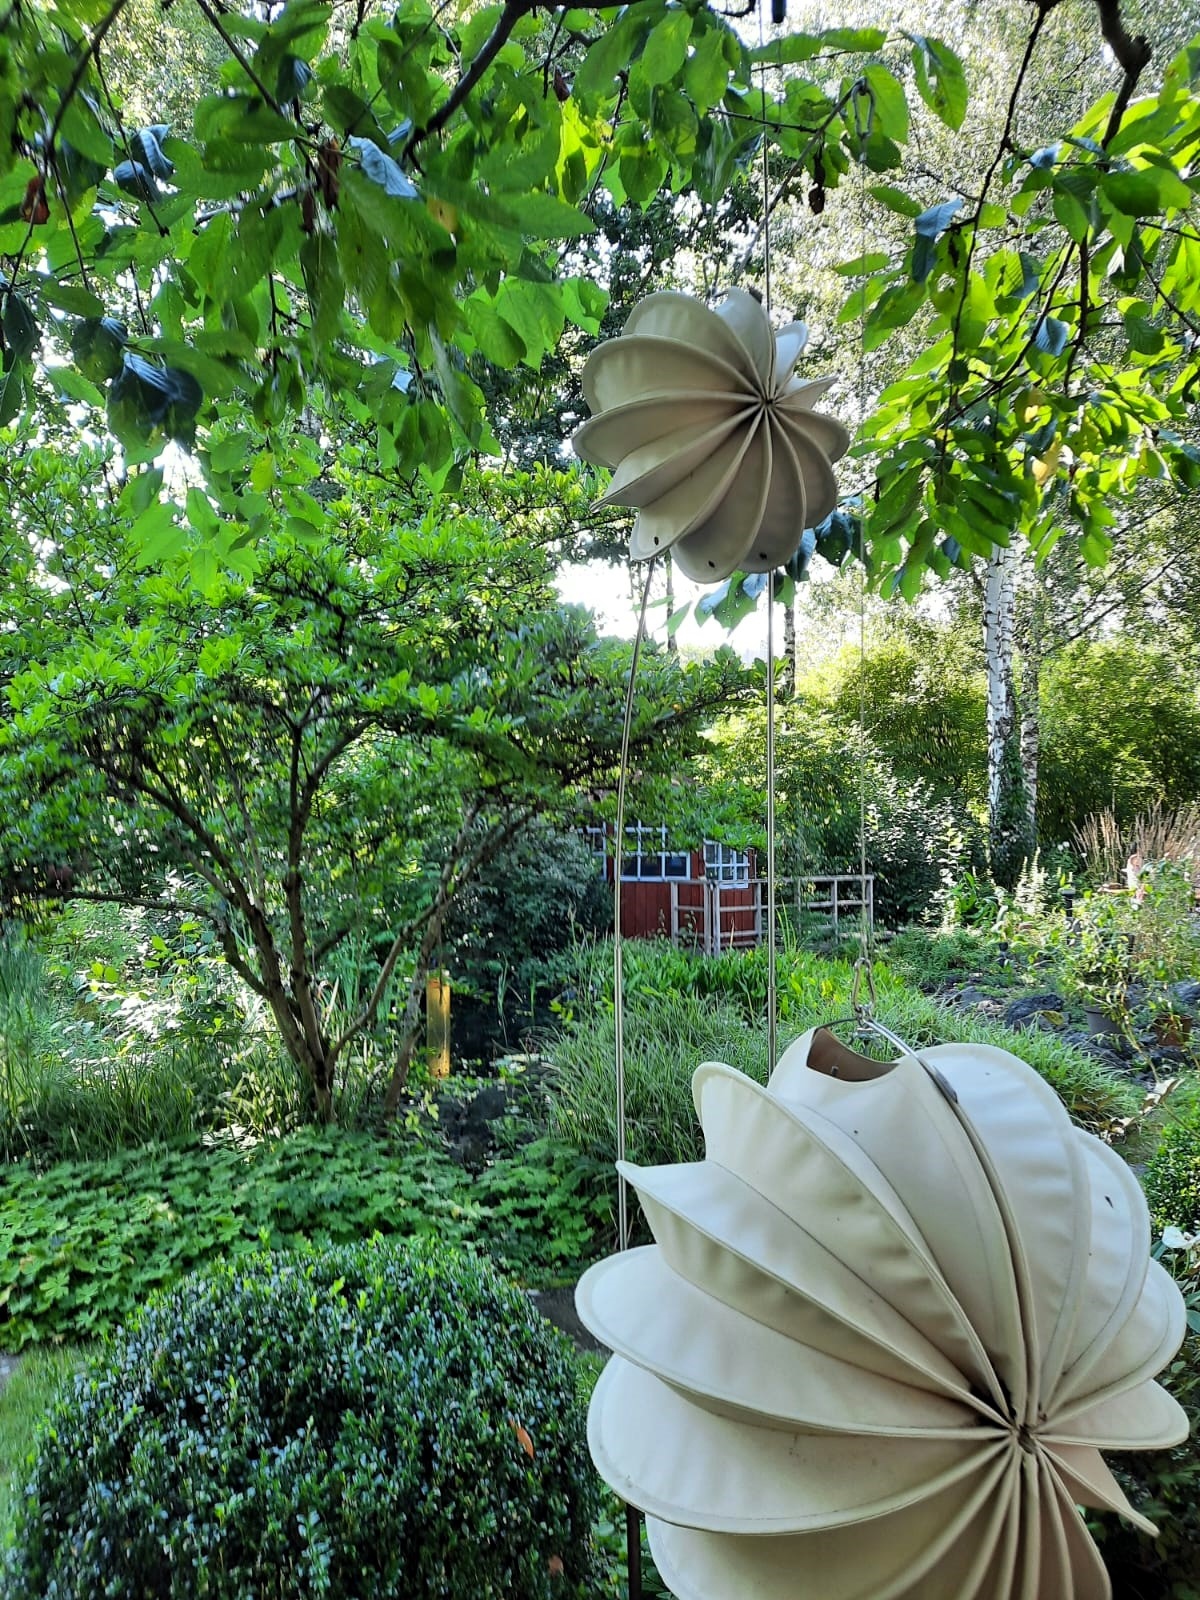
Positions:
(1035, 1011)
(1097, 1046)
(1188, 994)
(471, 1151)
(487, 1106)
(969, 998)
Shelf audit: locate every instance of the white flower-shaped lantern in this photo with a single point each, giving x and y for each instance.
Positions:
(710, 435)
(887, 1327)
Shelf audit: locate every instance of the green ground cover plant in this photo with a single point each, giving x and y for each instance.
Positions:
(83, 1243)
(355, 1422)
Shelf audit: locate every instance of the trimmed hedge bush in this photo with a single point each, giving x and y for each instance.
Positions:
(368, 1422)
(1172, 1179)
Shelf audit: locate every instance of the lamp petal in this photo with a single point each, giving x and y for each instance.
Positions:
(723, 1359)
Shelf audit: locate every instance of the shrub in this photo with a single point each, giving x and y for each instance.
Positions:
(927, 958)
(366, 1422)
(1173, 1176)
(1163, 1485)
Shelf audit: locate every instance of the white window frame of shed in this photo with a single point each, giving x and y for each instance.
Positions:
(652, 860)
(596, 837)
(723, 864)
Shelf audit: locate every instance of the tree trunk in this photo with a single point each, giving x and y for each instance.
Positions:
(1030, 709)
(1008, 806)
(788, 682)
(669, 573)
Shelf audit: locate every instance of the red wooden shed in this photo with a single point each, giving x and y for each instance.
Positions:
(710, 897)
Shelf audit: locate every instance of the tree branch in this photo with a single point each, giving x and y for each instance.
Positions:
(513, 11)
(1133, 56)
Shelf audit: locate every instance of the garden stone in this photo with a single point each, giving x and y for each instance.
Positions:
(969, 998)
(1188, 994)
(1093, 1045)
(1035, 1011)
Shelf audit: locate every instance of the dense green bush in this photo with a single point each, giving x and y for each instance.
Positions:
(916, 834)
(928, 958)
(83, 1243)
(1163, 1485)
(363, 1422)
(1172, 1178)
(509, 928)
(1120, 728)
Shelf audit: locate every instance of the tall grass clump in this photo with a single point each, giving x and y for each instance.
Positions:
(1159, 834)
(682, 1009)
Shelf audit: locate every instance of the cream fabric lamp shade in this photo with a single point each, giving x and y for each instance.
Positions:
(888, 1326)
(710, 435)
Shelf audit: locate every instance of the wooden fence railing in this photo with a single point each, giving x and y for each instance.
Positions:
(716, 916)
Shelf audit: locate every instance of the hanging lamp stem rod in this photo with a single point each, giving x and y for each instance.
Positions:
(618, 964)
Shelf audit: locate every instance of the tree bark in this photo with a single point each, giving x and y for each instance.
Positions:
(1008, 809)
(669, 574)
(1030, 711)
(788, 682)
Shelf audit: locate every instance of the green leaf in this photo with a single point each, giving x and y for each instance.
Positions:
(71, 297)
(857, 41)
(20, 328)
(862, 266)
(12, 390)
(155, 534)
(1146, 193)
(544, 216)
(242, 119)
(496, 338)
(1143, 336)
(941, 80)
(666, 48)
(707, 75)
(83, 130)
(72, 385)
(895, 200)
(1072, 215)
(609, 56)
(895, 309)
(891, 107)
(643, 171)
(585, 303)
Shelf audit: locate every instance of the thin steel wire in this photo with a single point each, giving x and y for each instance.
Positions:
(772, 965)
(772, 997)
(866, 918)
(618, 963)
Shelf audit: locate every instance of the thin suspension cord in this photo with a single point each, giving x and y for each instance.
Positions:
(772, 973)
(866, 915)
(618, 964)
(772, 998)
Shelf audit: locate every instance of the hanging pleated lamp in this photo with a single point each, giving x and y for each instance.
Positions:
(711, 437)
(888, 1326)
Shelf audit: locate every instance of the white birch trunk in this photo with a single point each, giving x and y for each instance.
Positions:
(999, 646)
(788, 685)
(1031, 666)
